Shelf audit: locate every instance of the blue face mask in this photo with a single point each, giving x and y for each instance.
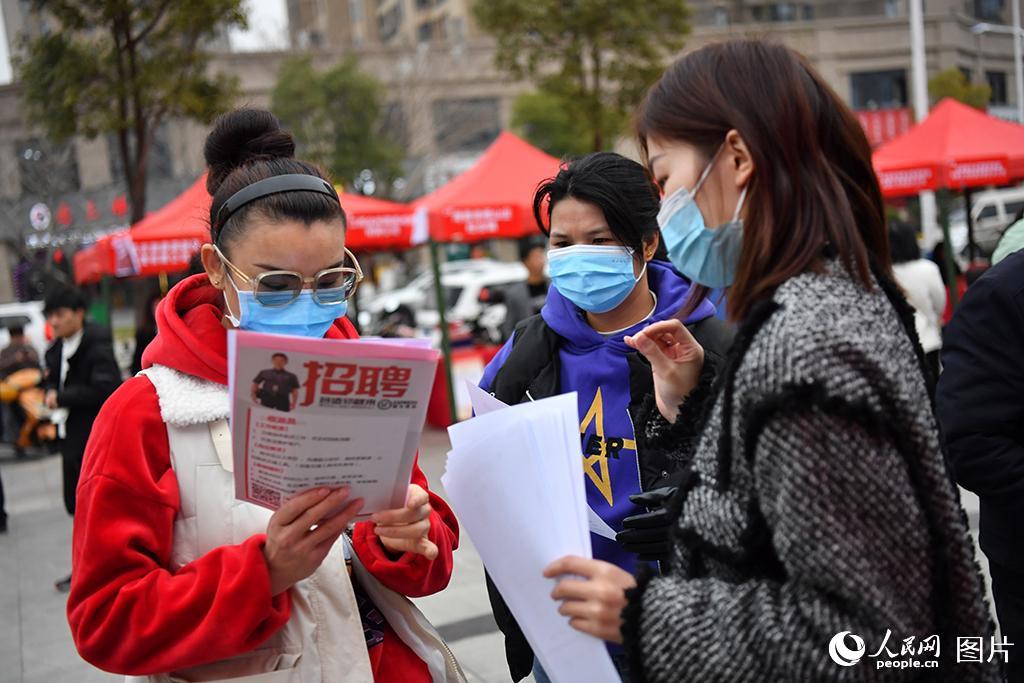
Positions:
(708, 257)
(596, 278)
(303, 317)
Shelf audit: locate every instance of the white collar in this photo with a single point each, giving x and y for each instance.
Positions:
(70, 344)
(646, 317)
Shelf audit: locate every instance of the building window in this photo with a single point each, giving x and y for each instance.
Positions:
(389, 22)
(47, 168)
(424, 32)
(466, 125)
(430, 31)
(879, 89)
(997, 81)
(355, 11)
(456, 29)
(782, 12)
(893, 8)
(720, 17)
(393, 124)
(988, 10)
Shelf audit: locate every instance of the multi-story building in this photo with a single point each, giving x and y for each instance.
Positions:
(446, 100)
(362, 23)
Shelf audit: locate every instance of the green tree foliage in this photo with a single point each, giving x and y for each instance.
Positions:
(595, 57)
(953, 83)
(545, 121)
(124, 67)
(336, 118)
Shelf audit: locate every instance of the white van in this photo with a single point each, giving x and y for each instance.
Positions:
(993, 211)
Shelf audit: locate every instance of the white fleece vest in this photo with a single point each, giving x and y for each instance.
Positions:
(323, 640)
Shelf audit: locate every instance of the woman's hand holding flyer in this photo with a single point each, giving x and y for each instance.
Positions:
(406, 529)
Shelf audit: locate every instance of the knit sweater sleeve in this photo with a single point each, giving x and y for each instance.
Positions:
(677, 440)
(832, 494)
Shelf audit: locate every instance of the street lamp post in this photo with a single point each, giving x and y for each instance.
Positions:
(1018, 68)
(919, 87)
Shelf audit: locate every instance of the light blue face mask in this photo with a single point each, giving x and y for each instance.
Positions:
(596, 278)
(303, 317)
(708, 257)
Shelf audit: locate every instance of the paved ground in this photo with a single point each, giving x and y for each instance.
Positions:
(35, 644)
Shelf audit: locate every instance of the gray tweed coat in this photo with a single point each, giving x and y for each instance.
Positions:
(818, 502)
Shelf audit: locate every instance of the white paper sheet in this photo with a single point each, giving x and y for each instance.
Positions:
(484, 403)
(515, 479)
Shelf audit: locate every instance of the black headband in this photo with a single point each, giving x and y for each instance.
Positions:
(291, 182)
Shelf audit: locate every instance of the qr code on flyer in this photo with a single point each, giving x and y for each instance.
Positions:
(264, 495)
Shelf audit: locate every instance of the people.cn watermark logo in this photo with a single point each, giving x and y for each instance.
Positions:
(843, 655)
(849, 649)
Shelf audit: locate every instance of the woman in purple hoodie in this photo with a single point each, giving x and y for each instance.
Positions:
(600, 215)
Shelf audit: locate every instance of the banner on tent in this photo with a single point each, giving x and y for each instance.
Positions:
(474, 223)
(166, 255)
(385, 231)
(964, 174)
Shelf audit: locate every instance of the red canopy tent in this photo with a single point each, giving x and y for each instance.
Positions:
(957, 147)
(92, 263)
(112, 254)
(167, 239)
(494, 198)
(375, 224)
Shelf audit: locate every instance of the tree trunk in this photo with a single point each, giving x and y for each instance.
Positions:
(137, 181)
(597, 115)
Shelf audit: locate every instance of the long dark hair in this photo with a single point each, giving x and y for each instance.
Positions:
(246, 146)
(620, 187)
(813, 188)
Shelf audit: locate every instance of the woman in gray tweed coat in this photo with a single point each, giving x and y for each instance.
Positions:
(819, 536)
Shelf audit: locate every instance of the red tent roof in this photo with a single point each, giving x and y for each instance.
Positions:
(375, 224)
(92, 263)
(167, 239)
(492, 199)
(956, 147)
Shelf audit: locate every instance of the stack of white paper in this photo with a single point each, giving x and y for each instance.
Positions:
(515, 479)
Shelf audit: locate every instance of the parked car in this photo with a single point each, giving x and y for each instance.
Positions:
(28, 316)
(461, 281)
(992, 211)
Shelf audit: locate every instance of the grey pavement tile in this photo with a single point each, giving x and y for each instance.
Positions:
(482, 658)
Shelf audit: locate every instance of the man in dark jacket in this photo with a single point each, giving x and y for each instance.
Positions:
(525, 299)
(80, 374)
(981, 409)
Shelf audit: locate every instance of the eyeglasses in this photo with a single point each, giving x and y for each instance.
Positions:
(277, 288)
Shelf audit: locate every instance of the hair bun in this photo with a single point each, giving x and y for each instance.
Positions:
(241, 136)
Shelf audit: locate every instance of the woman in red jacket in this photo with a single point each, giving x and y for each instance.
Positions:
(176, 580)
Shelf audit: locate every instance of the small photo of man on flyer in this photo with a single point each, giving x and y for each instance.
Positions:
(275, 387)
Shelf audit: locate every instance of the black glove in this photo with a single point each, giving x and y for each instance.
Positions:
(647, 534)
